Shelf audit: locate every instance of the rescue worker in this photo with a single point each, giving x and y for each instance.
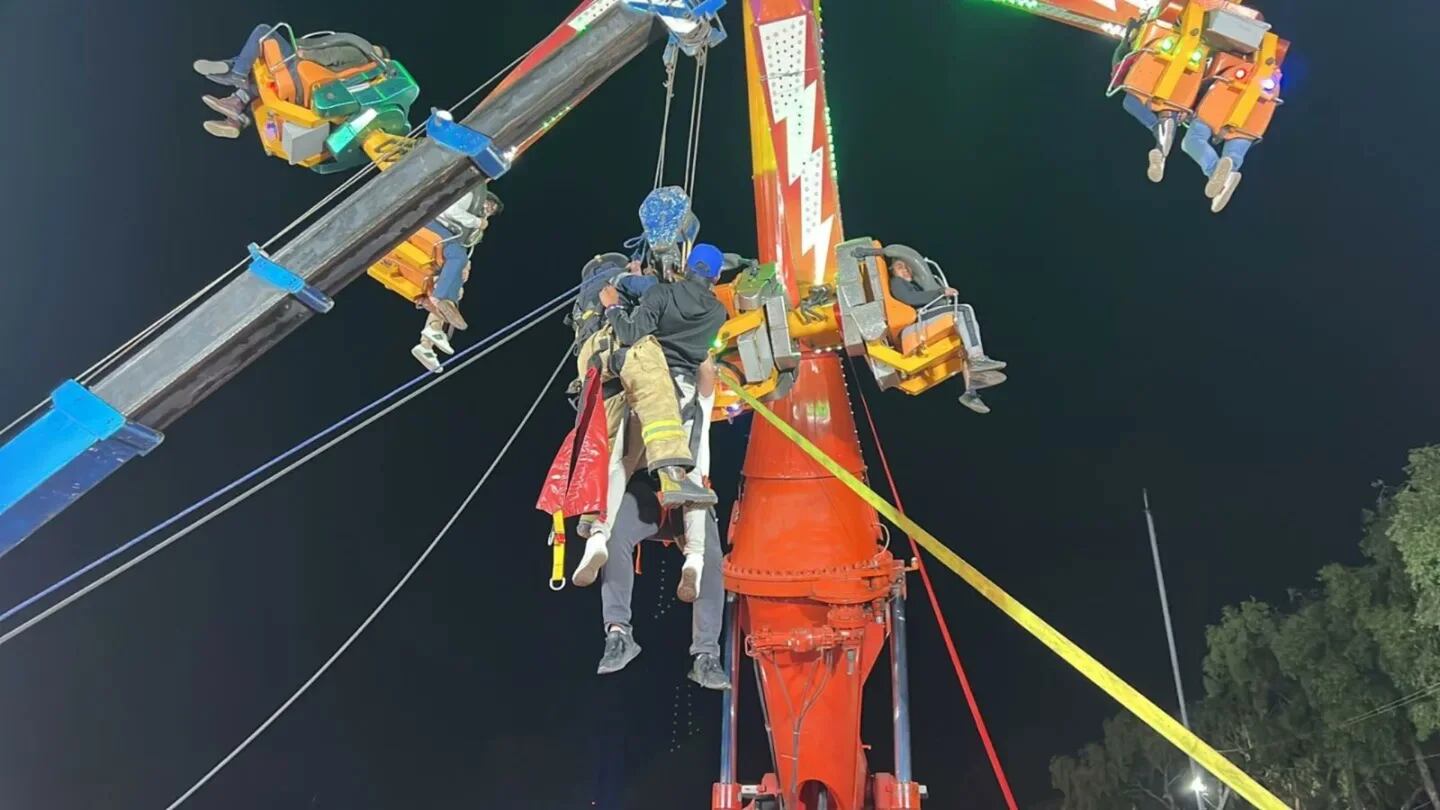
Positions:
(335, 52)
(682, 317)
(461, 227)
(638, 518)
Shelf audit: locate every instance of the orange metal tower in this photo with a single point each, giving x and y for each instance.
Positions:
(815, 589)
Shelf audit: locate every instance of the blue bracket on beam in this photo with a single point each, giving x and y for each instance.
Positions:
(693, 24)
(443, 129)
(73, 445)
(266, 268)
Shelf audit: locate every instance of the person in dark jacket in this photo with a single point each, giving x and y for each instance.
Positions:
(684, 316)
(931, 301)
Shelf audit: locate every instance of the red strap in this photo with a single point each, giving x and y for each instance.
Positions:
(935, 606)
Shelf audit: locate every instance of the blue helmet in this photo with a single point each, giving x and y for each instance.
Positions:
(705, 261)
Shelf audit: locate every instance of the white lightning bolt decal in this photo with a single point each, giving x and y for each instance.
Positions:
(794, 101)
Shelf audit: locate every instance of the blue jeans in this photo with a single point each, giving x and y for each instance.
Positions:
(1197, 138)
(452, 272)
(1140, 111)
(1197, 145)
(240, 65)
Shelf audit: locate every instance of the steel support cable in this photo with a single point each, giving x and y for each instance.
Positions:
(457, 362)
(419, 561)
(104, 363)
(935, 606)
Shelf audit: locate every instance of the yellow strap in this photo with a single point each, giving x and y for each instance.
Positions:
(1136, 703)
(1187, 40)
(557, 551)
(1250, 96)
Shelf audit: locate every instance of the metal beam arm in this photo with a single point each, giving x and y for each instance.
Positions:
(245, 319)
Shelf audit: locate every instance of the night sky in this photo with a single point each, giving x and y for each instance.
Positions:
(1256, 370)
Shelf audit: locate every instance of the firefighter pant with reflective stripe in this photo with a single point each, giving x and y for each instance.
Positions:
(649, 394)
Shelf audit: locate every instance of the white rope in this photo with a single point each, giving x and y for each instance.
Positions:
(281, 473)
(665, 122)
(424, 555)
(104, 363)
(692, 159)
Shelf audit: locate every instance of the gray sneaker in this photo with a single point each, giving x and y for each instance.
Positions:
(972, 400)
(980, 380)
(708, 673)
(985, 364)
(620, 650)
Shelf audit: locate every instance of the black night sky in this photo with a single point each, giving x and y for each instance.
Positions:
(1256, 370)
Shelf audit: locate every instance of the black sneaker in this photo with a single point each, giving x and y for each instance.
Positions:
(620, 650)
(708, 673)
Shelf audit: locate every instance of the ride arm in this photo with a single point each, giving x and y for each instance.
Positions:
(167, 376)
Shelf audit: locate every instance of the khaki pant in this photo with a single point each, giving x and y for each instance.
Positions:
(649, 394)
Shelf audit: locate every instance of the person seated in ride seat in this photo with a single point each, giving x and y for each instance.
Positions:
(637, 519)
(931, 300)
(460, 227)
(335, 52)
(682, 318)
(1219, 167)
(1222, 167)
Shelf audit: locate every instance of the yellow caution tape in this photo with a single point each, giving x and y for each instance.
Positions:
(1127, 695)
(557, 551)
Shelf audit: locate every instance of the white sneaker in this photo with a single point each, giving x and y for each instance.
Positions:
(1223, 198)
(594, 558)
(222, 129)
(1156, 170)
(427, 358)
(437, 339)
(689, 588)
(1219, 178)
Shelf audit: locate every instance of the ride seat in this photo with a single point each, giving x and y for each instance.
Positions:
(898, 315)
(1145, 72)
(917, 336)
(1237, 103)
(409, 270)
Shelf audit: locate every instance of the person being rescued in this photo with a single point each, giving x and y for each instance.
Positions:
(639, 518)
(333, 51)
(460, 227)
(666, 337)
(931, 300)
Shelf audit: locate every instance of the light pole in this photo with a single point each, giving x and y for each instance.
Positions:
(1198, 786)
